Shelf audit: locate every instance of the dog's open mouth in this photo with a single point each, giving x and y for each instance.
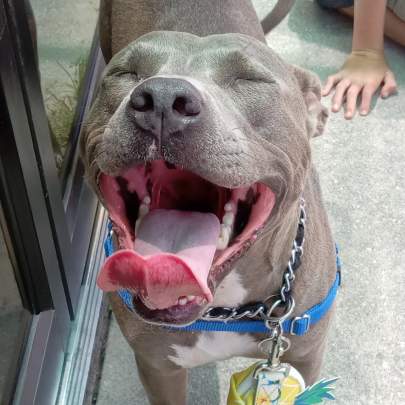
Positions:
(175, 230)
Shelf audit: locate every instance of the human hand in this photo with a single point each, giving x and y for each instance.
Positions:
(360, 76)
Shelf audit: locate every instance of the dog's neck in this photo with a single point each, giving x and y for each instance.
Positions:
(122, 21)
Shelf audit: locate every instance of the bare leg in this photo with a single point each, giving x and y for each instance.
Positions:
(163, 387)
(394, 27)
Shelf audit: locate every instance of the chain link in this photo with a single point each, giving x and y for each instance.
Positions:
(244, 311)
(285, 299)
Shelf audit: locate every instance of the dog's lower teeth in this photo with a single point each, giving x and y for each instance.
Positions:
(137, 224)
(226, 226)
(189, 298)
(143, 210)
(228, 219)
(224, 237)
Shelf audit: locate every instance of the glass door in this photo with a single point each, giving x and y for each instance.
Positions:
(15, 320)
(51, 224)
(57, 60)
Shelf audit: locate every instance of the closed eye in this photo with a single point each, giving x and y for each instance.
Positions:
(253, 79)
(256, 79)
(133, 75)
(119, 71)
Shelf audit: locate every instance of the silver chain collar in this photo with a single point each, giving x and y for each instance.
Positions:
(284, 298)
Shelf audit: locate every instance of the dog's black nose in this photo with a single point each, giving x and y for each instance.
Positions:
(166, 105)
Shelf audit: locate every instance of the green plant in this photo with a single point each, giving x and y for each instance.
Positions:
(61, 106)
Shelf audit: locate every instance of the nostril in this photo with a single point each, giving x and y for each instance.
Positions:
(186, 106)
(142, 102)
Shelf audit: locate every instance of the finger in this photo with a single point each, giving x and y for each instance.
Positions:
(366, 97)
(390, 85)
(339, 93)
(330, 82)
(351, 100)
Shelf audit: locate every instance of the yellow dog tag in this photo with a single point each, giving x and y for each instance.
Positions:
(270, 387)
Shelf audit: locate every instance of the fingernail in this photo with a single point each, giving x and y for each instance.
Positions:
(363, 112)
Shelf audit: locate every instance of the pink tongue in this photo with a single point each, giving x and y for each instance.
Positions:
(172, 257)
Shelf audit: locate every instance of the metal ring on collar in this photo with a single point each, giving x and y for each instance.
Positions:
(289, 308)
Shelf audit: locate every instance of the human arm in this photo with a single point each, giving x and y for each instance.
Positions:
(365, 69)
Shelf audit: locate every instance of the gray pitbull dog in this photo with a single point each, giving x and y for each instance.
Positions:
(198, 145)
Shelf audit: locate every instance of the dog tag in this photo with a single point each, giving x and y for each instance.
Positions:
(278, 386)
(261, 385)
(271, 382)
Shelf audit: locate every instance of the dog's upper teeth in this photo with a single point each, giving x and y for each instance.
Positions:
(182, 301)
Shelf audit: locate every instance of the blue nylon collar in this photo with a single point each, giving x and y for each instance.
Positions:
(298, 325)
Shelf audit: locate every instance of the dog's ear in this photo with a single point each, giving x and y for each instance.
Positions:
(311, 91)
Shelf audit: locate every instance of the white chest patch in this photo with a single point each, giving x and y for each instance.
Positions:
(230, 292)
(213, 346)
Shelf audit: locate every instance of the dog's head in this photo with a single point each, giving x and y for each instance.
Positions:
(195, 146)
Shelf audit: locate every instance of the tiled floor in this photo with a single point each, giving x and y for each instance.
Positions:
(362, 169)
